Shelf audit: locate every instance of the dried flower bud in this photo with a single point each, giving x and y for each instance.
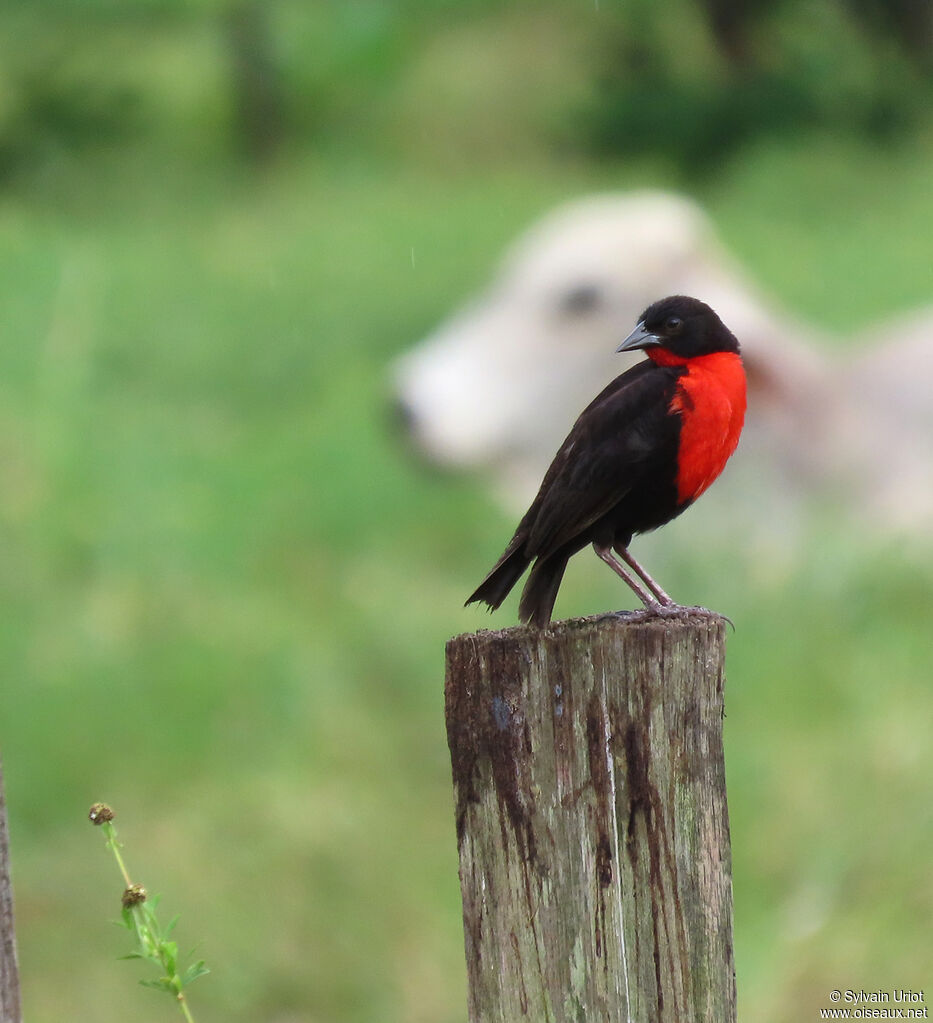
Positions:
(133, 896)
(99, 813)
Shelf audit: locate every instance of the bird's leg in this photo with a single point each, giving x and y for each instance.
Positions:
(662, 597)
(643, 595)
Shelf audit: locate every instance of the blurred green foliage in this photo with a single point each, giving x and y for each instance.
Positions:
(693, 82)
(226, 584)
(672, 86)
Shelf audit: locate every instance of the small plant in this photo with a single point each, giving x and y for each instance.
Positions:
(139, 916)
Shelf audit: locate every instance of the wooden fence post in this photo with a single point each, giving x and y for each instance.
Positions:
(9, 973)
(591, 819)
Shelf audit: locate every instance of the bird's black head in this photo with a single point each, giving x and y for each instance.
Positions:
(685, 327)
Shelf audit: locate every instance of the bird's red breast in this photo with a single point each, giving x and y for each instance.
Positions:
(710, 399)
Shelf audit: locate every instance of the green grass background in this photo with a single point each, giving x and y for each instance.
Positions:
(227, 585)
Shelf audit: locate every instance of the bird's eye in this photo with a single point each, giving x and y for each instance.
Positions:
(584, 298)
(673, 324)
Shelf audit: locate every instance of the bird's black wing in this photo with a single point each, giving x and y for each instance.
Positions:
(618, 438)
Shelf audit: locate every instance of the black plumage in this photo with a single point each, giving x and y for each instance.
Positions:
(606, 483)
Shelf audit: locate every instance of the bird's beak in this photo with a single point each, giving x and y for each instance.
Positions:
(639, 338)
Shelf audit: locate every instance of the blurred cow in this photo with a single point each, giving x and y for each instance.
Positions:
(499, 384)
(889, 420)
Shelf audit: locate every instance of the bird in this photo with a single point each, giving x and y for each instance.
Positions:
(638, 455)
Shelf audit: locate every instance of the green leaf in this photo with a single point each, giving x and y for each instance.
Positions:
(170, 926)
(147, 909)
(168, 953)
(162, 984)
(194, 971)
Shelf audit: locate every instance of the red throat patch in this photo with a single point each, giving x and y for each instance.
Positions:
(710, 400)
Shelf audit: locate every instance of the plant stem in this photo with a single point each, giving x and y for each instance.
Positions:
(115, 846)
(183, 1004)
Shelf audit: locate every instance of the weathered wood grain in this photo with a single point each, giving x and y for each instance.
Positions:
(9, 974)
(591, 820)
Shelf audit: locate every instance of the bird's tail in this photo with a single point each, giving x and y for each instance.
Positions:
(504, 575)
(540, 590)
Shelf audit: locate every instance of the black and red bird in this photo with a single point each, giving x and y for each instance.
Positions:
(639, 454)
